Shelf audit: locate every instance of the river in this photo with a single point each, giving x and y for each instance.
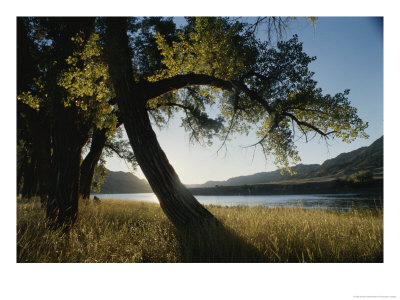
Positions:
(318, 201)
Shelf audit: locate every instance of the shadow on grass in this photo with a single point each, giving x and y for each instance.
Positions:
(211, 241)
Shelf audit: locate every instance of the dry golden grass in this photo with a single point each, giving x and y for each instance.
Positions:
(123, 231)
(309, 235)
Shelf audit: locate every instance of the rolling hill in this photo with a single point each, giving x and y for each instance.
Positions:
(263, 177)
(364, 158)
(124, 183)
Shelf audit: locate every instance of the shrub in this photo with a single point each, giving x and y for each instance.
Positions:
(361, 177)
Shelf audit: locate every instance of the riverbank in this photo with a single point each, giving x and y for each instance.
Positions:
(123, 231)
(332, 186)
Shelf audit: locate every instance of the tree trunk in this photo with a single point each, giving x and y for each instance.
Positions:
(89, 163)
(34, 129)
(69, 126)
(28, 188)
(20, 169)
(176, 201)
(68, 141)
(42, 149)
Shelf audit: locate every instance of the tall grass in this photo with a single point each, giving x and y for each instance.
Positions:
(123, 231)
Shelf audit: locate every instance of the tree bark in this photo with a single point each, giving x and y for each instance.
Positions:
(68, 140)
(42, 151)
(176, 201)
(69, 126)
(21, 165)
(158, 88)
(28, 188)
(34, 128)
(89, 163)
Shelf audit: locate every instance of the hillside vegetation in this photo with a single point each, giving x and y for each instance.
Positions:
(123, 231)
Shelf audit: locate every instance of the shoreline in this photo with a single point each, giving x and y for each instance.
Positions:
(327, 187)
(309, 188)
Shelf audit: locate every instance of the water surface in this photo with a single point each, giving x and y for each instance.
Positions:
(320, 201)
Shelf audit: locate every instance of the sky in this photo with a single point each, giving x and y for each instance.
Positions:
(349, 53)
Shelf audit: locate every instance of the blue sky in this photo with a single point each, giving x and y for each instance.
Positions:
(349, 53)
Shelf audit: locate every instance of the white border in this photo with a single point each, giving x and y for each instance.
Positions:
(199, 281)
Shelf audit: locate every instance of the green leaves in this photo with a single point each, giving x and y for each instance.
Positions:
(87, 82)
(86, 78)
(28, 98)
(208, 49)
(37, 96)
(274, 93)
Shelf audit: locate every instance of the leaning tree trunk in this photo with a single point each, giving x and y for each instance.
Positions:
(68, 141)
(89, 163)
(176, 201)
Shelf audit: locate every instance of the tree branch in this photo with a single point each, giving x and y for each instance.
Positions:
(258, 75)
(258, 143)
(229, 131)
(308, 125)
(254, 96)
(155, 89)
(152, 90)
(186, 109)
(125, 155)
(194, 133)
(310, 110)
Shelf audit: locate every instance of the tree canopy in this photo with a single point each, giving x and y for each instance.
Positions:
(265, 88)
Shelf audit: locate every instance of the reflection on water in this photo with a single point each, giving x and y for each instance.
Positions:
(320, 201)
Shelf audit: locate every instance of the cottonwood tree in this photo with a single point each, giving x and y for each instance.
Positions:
(33, 129)
(214, 61)
(63, 83)
(66, 83)
(65, 102)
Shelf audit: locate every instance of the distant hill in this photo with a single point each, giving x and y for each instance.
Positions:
(264, 177)
(123, 183)
(365, 158)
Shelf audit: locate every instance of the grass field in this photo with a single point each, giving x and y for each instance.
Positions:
(123, 231)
